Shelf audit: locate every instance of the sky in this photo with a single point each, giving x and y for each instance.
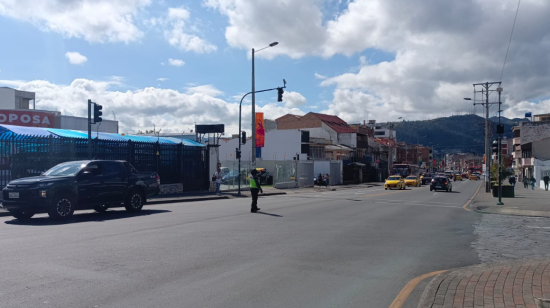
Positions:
(174, 64)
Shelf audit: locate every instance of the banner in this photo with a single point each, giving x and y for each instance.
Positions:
(30, 118)
(260, 130)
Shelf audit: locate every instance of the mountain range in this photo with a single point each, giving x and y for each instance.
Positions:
(454, 134)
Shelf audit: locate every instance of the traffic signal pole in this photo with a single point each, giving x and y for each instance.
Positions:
(280, 92)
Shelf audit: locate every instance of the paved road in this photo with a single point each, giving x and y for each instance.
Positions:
(346, 248)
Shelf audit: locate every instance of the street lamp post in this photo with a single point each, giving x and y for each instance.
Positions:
(499, 156)
(254, 104)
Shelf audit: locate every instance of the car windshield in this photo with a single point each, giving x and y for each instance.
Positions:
(411, 178)
(67, 169)
(394, 178)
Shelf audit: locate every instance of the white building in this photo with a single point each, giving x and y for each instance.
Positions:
(15, 110)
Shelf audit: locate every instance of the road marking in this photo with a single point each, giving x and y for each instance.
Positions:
(470, 201)
(409, 287)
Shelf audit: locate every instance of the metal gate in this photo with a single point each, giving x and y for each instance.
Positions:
(285, 174)
(305, 174)
(336, 172)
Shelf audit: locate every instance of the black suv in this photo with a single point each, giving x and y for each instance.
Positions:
(441, 183)
(80, 185)
(427, 178)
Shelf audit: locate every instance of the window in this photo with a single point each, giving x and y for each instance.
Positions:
(111, 168)
(379, 133)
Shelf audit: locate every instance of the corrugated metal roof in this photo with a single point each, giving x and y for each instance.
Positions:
(6, 131)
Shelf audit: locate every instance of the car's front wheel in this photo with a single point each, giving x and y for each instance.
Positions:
(62, 207)
(22, 214)
(134, 201)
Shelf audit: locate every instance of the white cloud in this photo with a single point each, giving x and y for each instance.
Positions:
(440, 47)
(169, 109)
(207, 89)
(176, 62)
(313, 107)
(319, 76)
(179, 33)
(162, 79)
(75, 57)
(293, 99)
(12, 83)
(94, 21)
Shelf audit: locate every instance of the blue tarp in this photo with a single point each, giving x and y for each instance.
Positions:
(7, 131)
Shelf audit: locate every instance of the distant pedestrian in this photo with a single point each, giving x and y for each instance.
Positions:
(546, 179)
(533, 182)
(320, 179)
(512, 180)
(327, 180)
(255, 188)
(218, 178)
(525, 182)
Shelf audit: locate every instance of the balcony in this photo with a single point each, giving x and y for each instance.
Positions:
(527, 162)
(516, 140)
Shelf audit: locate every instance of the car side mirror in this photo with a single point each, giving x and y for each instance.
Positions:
(86, 174)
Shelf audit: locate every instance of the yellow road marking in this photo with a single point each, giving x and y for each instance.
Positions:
(471, 199)
(409, 287)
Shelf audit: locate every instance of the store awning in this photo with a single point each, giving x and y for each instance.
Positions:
(7, 131)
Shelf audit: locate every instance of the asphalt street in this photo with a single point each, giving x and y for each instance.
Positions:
(344, 248)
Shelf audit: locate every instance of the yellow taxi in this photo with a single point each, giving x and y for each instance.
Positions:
(458, 177)
(413, 181)
(474, 176)
(394, 181)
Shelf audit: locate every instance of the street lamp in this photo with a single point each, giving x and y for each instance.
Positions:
(254, 104)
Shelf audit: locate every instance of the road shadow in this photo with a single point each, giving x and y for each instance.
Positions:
(269, 214)
(84, 217)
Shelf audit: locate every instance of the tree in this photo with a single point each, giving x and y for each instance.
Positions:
(504, 172)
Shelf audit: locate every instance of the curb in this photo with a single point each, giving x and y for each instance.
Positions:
(175, 200)
(428, 295)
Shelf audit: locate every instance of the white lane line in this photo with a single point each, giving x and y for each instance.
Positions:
(428, 205)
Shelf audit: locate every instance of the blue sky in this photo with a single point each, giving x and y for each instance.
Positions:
(358, 59)
(37, 54)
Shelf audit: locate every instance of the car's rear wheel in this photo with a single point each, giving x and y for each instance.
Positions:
(22, 214)
(62, 207)
(101, 208)
(134, 201)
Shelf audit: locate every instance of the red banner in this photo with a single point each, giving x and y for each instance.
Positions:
(27, 118)
(260, 130)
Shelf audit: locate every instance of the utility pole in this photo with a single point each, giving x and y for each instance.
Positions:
(253, 115)
(90, 129)
(486, 89)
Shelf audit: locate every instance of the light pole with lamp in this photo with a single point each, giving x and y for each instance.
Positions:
(500, 131)
(254, 104)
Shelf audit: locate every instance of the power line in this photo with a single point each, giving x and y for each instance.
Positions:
(510, 41)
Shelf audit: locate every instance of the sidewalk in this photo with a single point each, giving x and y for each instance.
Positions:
(517, 284)
(527, 202)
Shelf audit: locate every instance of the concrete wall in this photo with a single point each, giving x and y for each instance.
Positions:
(7, 98)
(541, 149)
(279, 145)
(78, 123)
(540, 169)
(349, 139)
(531, 131)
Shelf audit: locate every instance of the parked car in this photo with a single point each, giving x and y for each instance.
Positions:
(427, 178)
(413, 181)
(394, 181)
(80, 185)
(441, 183)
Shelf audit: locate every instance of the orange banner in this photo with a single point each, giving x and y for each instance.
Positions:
(260, 130)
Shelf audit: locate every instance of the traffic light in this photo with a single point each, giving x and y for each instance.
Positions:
(280, 92)
(238, 153)
(97, 113)
(495, 146)
(243, 138)
(500, 129)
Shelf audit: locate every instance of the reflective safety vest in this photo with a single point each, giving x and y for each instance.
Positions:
(253, 183)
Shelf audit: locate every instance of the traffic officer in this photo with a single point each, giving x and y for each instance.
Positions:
(255, 188)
